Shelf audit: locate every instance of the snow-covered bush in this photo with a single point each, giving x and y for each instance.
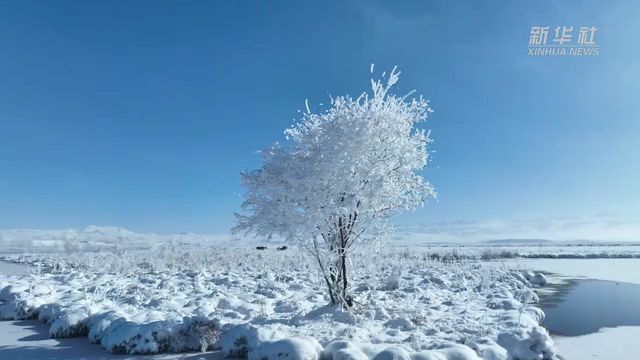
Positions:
(297, 347)
(239, 340)
(343, 174)
(539, 279)
(195, 333)
(192, 333)
(392, 282)
(70, 324)
(49, 312)
(533, 343)
(100, 322)
(393, 353)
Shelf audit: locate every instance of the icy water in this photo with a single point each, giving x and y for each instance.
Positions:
(586, 306)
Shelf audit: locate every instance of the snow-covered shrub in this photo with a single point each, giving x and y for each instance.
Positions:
(16, 305)
(535, 278)
(492, 254)
(535, 313)
(350, 353)
(70, 324)
(100, 322)
(329, 351)
(49, 312)
(21, 310)
(192, 333)
(539, 279)
(400, 323)
(488, 349)
(527, 298)
(344, 173)
(393, 353)
(299, 348)
(128, 337)
(195, 333)
(8, 311)
(239, 340)
(392, 282)
(533, 343)
(447, 352)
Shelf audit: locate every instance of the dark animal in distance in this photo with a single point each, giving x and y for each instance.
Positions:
(261, 248)
(284, 247)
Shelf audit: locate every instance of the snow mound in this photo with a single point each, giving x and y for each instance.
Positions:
(393, 353)
(99, 324)
(49, 313)
(300, 348)
(539, 279)
(488, 349)
(532, 343)
(343, 349)
(128, 337)
(349, 354)
(240, 340)
(535, 278)
(70, 324)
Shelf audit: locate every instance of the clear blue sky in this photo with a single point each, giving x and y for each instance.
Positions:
(142, 114)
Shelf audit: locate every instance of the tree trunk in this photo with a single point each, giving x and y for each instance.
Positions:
(343, 259)
(340, 281)
(334, 270)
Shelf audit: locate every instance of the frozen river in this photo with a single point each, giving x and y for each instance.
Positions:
(586, 306)
(597, 308)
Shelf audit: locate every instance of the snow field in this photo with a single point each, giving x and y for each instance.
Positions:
(272, 305)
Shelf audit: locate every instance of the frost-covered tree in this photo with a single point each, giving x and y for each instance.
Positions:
(340, 177)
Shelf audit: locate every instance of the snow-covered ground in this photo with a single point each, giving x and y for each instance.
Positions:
(263, 304)
(142, 293)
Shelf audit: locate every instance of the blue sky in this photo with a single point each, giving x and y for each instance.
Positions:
(142, 114)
